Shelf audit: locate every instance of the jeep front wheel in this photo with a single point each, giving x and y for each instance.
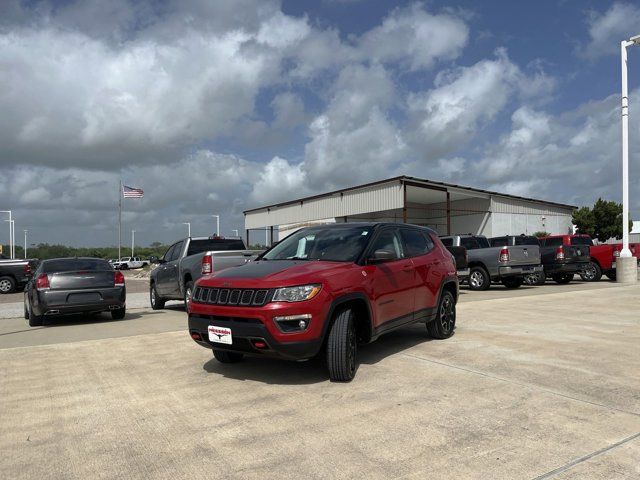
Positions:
(342, 348)
(445, 322)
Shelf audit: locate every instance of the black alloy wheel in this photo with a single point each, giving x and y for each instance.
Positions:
(444, 324)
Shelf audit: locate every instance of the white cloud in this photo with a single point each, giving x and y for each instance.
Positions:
(415, 37)
(608, 29)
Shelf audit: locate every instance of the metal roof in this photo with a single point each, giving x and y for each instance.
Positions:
(405, 178)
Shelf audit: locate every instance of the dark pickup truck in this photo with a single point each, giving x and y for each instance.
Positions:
(14, 274)
(560, 262)
(462, 262)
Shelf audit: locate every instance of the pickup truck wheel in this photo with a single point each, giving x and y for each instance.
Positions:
(118, 314)
(342, 348)
(227, 357)
(592, 273)
(563, 278)
(535, 278)
(7, 284)
(479, 279)
(188, 289)
(445, 322)
(157, 302)
(512, 282)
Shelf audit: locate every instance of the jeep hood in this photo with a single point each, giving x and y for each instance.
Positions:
(285, 272)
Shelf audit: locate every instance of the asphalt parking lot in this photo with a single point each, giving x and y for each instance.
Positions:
(536, 383)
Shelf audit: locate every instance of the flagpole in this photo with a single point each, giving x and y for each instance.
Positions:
(120, 220)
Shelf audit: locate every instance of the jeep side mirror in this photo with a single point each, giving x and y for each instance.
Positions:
(381, 256)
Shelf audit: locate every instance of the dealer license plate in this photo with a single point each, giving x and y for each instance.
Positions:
(220, 335)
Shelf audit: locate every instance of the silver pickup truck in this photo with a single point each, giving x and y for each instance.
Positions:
(507, 264)
(186, 261)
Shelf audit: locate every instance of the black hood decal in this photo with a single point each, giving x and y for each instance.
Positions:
(259, 269)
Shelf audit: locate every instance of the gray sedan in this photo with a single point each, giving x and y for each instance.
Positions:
(65, 286)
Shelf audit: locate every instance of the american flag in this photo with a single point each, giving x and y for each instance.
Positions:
(130, 192)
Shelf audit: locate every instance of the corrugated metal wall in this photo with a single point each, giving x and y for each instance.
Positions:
(352, 202)
(513, 217)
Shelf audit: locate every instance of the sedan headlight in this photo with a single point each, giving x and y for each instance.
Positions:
(296, 294)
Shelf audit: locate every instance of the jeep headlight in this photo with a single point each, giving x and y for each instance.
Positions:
(296, 294)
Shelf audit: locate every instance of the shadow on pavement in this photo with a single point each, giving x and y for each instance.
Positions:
(283, 372)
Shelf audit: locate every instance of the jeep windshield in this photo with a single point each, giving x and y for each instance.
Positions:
(335, 244)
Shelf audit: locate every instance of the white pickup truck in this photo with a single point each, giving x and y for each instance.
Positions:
(128, 263)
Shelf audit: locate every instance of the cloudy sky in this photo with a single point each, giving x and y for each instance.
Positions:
(219, 106)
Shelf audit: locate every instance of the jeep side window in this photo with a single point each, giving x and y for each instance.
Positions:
(390, 241)
(416, 242)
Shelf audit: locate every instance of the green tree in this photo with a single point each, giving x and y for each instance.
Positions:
(541, 234)
(603, 221)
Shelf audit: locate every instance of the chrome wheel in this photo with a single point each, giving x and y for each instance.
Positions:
(5, 286)
(153, 297)
(476, 279)
(187, 298)
(589, 273)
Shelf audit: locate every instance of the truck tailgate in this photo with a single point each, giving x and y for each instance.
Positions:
(576, 253)
(523, 255)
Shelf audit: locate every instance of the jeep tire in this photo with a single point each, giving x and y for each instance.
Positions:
(342, 348)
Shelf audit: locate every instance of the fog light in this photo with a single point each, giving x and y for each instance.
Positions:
(293, 323)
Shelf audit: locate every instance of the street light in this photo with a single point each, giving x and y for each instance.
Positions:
(217, 224)
(626, 270)
(11, 237)
(188, 224)
(25, 244)
(133, 240)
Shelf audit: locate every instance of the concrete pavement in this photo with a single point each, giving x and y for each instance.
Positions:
(532, 385)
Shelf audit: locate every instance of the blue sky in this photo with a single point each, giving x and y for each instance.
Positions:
(216, 107)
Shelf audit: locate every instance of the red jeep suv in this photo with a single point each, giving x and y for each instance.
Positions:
(327, 288)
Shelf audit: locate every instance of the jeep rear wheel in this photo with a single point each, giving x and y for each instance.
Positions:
(342, 348)
(445, 322)
(227, 357)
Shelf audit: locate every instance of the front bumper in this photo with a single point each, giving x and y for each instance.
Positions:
(519, 270)
(256, 323)
(245, 334)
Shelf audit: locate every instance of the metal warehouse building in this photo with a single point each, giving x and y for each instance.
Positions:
(447, 208)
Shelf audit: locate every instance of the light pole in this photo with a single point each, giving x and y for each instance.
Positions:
(133, 240)
(25, 244)
(217, 224)
(626, 270)
(188, 224)
(10, 231)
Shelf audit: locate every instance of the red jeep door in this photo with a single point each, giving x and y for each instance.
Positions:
(392, 282)
(426, 261)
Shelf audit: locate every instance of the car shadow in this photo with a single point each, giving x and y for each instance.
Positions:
(85, 319)
(282, 372)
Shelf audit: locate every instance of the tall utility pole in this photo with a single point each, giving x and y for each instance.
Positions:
(25, 244)
(188, 224)
(10, 231)
(133, 241)
(626, 269)
(119, 220)
(217, 224)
